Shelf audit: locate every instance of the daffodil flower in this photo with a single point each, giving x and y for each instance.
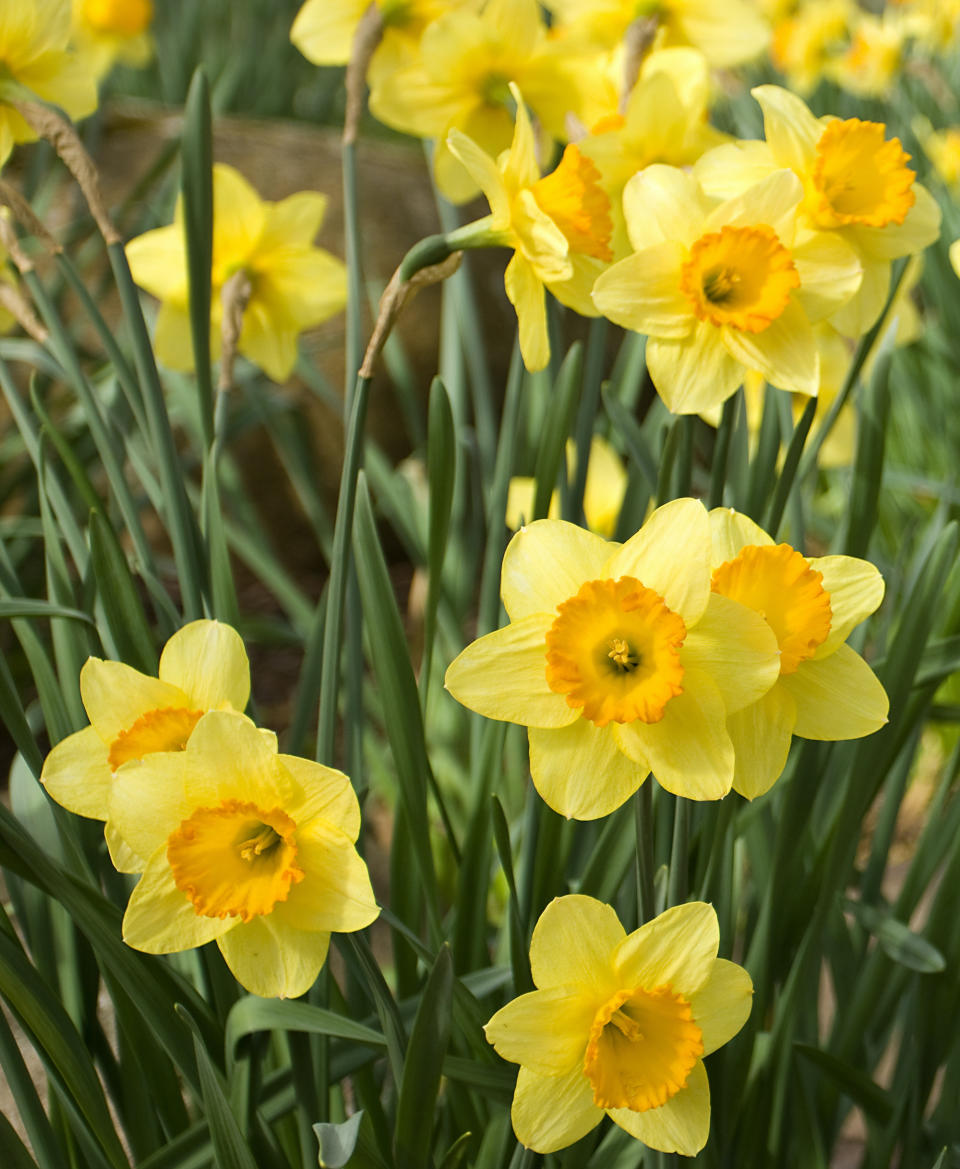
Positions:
(825, 689)
(293, 285)
(620, 661)
(559, 227)
(619, 1025)
(857, 187)
(809, 38)
(722, 289)
(35, 56)
(203, 667)
(603, 492)
(107, 31)
(245, 847)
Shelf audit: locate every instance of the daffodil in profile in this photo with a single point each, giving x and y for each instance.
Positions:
(246, 847)
(825, 689)
(558, 226)
(110, 31)
(722, 288)
(620, 661)
(292, 285)
(857, 187)
(36, 60)
(603, 492)
(619, 1025)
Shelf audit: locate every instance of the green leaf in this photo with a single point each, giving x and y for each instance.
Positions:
(121, 603)
(868, 464)
(197, 188)
(441, 476)
(251, 1014)
(862, 1090)
(223, 591)
(634, 438)
(422, 1068)
(24, 607)
(559, 422)
(455, 1156)
(13, 1153)
(337, 1141)
(899, 941)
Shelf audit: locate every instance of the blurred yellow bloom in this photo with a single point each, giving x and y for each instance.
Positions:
(809, 38)
(203, 667)
(461, 79)
(619, 660)
(955, 256)
(106, 31)
(721, 289)
(558, 226)
(603, 491)
(932, 22)
(825, 689)
(293, 285)
(34, 54)
(942, 147)
(244, 846)
(873, 60)
(857, 188)
(619, 1025)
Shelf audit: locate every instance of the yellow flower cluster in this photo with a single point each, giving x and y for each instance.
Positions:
(234, 841)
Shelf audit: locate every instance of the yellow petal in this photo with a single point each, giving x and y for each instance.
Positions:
(273, 960)
(605, 487)
(158, 262)
(761, 735)
(520, 168)
(856, 589)
(545, 564)
(335, 893)
(837, 697)
(525, 293)
(115, 695)
(552, 1112)
(682, 1125)
(293, 222)
(580, 771)
(643, 293)
(254, 774)
(727, 34)
(297, 288)
(689, 750)
(541, 241)
(147, 801)
(122, 856)
(785, 352)
(773, 201)
(671, 555)
(173, 340)
(161, 920)
(731, 168)
(76, 774)
(736, 647)
(695, 373)
(239, 217)
(676, 949)
(830, 273)
(504, 676)
(545, 1030)
(521, 494)
(483, 170)
(920, 228)
(268, 343)
(663, 203)
(208, 662)
(325, 792)
(722, 1005)
(732, 531)
(323, 30)
(790, 128)
(573, 943)
(859, 313)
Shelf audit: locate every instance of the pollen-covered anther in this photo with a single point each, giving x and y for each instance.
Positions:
(613, 651)
(165, 729)
(576, 202)
(739, 276)
(859, 177)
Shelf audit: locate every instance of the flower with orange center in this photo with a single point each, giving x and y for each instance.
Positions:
(558, 225)
(858, 189)
(620, 660)
(721, 289)
(244, 846)
(619, 1025)
(108, 31)
(132, 716)
(825, 690)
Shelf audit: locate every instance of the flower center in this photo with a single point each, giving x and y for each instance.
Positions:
(642, 1047)
(739, 276)
(235, 859)
(859, 177)
(614, 651)
(165, 729)
(123, 18)
(573, 198)
(780, 585)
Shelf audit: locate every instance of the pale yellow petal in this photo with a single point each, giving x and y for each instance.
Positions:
(520, 168)
(239, 216)
(682, 1125)
(297, 288)
(173, 340)
(254, 774)
(504, 676)
(525, 293)
(521, 494)
(273, 960)
(732, 531)
(552, 1112)
(643, 293)
(837, 697)
(115, 695)
(323, 30)
(919, 229)
(736, 647)
(722, 1005)
(729, 169)
(269, 343)
(122, 856)
(293, 222)
(859, 313)
(785, 352)
(580, 771)
(727, 34)
(772, 201)
(483, 170)
(663, 203)
(790, 128)
(545, 1030)
(335, 893)
(546, 563)
(605, 487)
(324, 792)
(761, 735)
(856, 589)
(147, 800)
(573, 944)
(695, 373)
(160, 919)
(677, 949)
(830, 272)
(671, 555)
(158, 263)
(76, 774)
(208, 662)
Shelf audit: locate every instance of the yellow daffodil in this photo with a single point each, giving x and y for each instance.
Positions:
(720, 289)
(559, 227)
(35, 60)
(603, 492)
(955, 256)
(244, 846)
(932, 22)
(619, 1025)
(942, 147)
(856, 187)
(620, 661)
(825, 689)
(809, 38)
(203, 667)
(292, 284)
(107, 31)
(727, 34)
(873, 61)
(461, 79)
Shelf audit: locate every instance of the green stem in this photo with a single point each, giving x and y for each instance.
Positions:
(721, 451)
(790, 465)
(643, 809)
(677, 886)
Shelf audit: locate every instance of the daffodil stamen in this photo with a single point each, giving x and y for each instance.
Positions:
(779, 584)
(860, 177)
(166, 729)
